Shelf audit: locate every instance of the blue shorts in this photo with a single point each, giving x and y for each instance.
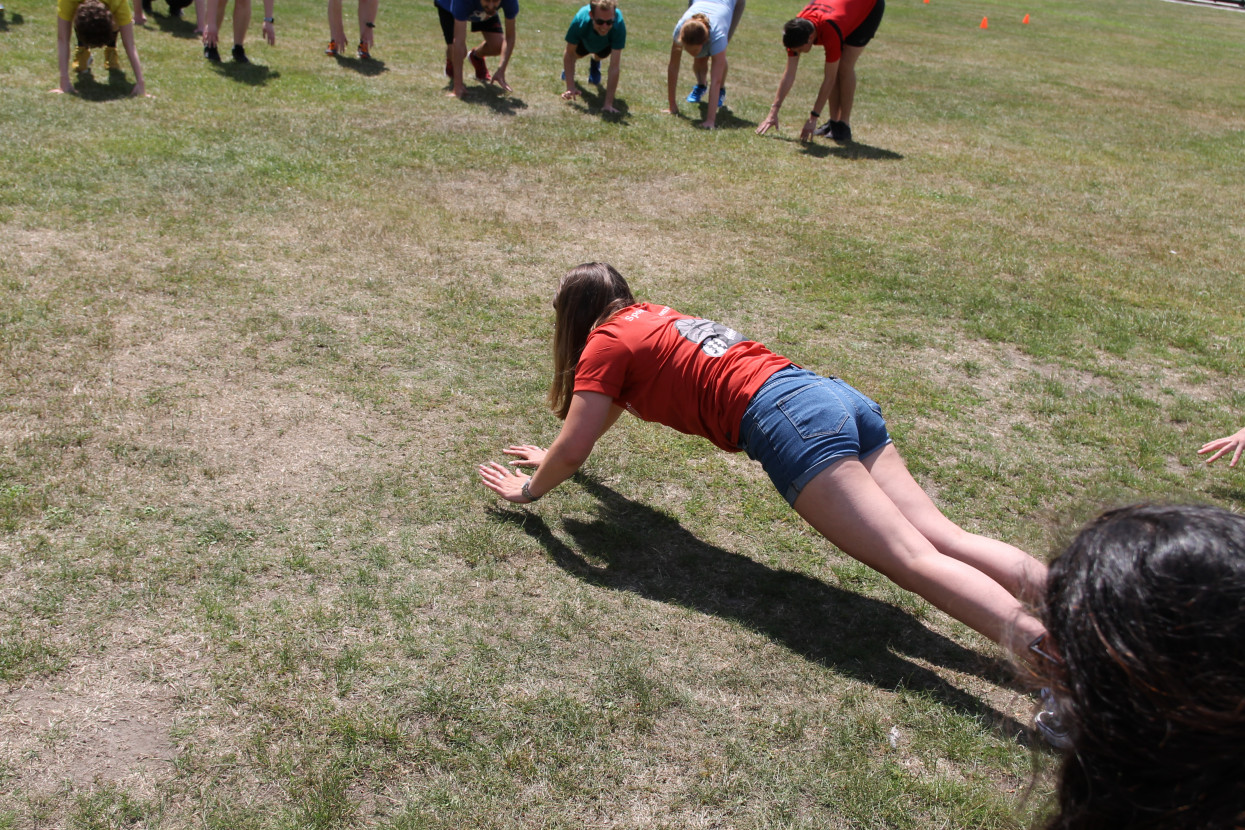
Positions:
(799, 423)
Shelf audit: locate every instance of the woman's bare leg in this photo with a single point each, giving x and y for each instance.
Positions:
(1023, 576)
(847, 506)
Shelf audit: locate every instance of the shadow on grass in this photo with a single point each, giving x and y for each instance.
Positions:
(494, 97)
(850, 150)
(1234, 494)
(369, 68)
(253, 74)
(7, 19)
(647, 552)
(175, 26)
(89, 89)
(592, 99)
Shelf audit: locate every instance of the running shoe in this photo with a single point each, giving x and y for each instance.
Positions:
(697, 94)
(211, 52)
(594, 71)
(111, 61)
(721, 97)
(363, 53)
(334, 49)
(480, 66)
(239, 54)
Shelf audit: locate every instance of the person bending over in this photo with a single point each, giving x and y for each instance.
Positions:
(482, 14)
(1145, 671)
(704, 31)
(823, 444)
(843, 28)
(597, 30)
(96, 24)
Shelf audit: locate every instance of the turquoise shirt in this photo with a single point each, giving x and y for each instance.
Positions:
(583, 32)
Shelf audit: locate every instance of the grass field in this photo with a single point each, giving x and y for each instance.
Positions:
(256, 331)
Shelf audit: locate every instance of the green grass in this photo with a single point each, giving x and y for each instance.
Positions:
(256, 330)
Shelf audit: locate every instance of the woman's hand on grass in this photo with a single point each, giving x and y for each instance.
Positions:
(526, 455)
(1234, 444)
(504, 482)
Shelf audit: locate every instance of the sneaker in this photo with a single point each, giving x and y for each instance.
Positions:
(81, 60)
(697, 94)
(480, 66)
(239, 54)
(364, 52)
(1049, 724)
(111, 62)
(211, 52)
(594, 71)
(721, 97)
(840, 132)
(334, 50)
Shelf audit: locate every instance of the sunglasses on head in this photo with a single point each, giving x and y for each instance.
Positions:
(609, 22)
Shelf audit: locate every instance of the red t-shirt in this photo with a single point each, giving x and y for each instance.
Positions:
(694, 375)
(826, 14)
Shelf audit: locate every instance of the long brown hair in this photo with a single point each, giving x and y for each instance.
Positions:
(588, 295)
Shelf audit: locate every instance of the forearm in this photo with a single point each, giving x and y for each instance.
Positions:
(507, 48)
(131, 52)
(716, 76)
(784, 86)
(611, 83)
(62, 51)
(672, 77)
(568, 67)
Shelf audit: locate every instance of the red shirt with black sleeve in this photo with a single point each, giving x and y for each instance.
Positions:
(693, 375)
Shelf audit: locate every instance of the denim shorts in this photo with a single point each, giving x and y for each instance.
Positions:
(799, 423)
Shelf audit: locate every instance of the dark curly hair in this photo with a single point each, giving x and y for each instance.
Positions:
(1146, 611)
(93, 24)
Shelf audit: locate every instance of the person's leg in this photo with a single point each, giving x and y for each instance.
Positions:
(337, 29)
(844, 92)
(200, 16)
(241, 20)
(220, 14)
(847, 506)
(1023, 576)
(491, 45)
(701, 67)
(367, 21)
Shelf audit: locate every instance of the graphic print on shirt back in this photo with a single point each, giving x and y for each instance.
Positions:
(714, 338)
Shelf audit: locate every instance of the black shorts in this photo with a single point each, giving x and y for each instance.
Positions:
(868, 27)
(491, 25)
(582, 51)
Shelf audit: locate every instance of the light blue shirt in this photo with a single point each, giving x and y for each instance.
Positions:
(720, 14)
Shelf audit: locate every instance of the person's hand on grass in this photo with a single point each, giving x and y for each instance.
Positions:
(506, 483)
(570, 95)
(1234, 444)
(526, 455)
(770, 123)
(270, 33)
(499, 78)
(810, 126)
(66, 88)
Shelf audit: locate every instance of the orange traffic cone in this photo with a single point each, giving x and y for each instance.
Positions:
(984, 23)
(1026, 20)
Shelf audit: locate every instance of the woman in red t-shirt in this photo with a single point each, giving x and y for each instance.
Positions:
(823, 444)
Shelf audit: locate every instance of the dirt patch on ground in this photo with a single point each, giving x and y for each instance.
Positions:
(96, 721)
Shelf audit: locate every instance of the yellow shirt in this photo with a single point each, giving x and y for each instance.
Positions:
(121, 13)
